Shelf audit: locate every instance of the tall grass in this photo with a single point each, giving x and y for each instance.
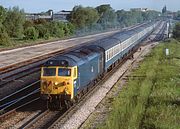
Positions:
(150, 101)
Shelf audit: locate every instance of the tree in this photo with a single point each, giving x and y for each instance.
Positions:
(43, 31)
(71, 28)
(56, 29)
(126, 18)
(103, 8)
(14, 22)
(107, 15)
(31, 33)
(2, 14)
(150, 15)
(4, 38)
(28, 23)
(40, 21)
(82, 17)
(176, 31)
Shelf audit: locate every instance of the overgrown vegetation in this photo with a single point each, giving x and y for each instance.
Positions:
(87, 19)
(14, 28)
(151, 98)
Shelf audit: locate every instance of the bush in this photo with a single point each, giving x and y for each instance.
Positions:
(4, 39)
(56, 29)
(31, 33)
(71, 28)
(43, 31)
(28, 23)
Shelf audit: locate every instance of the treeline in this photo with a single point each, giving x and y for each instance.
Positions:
(14, 26)
(104, 16)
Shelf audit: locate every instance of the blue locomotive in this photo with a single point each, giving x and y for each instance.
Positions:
(65, 77)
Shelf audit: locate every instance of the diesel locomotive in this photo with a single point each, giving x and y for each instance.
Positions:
(65, 77)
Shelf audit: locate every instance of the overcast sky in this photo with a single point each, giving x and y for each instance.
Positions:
(57, 5)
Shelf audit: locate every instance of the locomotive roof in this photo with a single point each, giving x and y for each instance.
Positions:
(73, 58)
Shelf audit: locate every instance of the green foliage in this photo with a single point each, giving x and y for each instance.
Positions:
(40, 21)
(2, 14)
(107, 15)
(103, 8)
(176, 31)
(43, 31)
(71, 28)
(56, 29)
(14, 22)
(4, 38)
(28, 23)
(83, 16)
(127, 18)
(31, 33)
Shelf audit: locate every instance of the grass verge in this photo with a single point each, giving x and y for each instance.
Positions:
(151, 98)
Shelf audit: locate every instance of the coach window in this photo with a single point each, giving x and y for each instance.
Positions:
(110, 53)
(106, 55)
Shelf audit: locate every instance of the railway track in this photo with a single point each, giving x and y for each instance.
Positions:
(160, 35)
(44, 120)
(18, 98)
(14, 110)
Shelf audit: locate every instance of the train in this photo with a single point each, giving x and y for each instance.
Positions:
(66, 77)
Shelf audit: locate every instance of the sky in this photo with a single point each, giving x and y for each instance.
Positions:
(57, 5)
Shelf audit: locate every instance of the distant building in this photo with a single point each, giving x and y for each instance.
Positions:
(61, 16)
(49, 16)
(139, 9)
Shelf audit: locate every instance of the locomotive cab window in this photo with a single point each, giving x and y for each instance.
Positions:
(64, 72)
(49, 71)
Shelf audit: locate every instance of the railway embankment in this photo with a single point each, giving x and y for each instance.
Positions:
(150, 97)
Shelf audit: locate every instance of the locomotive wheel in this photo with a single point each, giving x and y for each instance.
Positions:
(68, 104)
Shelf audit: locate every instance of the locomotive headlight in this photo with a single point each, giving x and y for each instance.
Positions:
(56, 83)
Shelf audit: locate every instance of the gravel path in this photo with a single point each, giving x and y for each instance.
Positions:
(90, 105)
